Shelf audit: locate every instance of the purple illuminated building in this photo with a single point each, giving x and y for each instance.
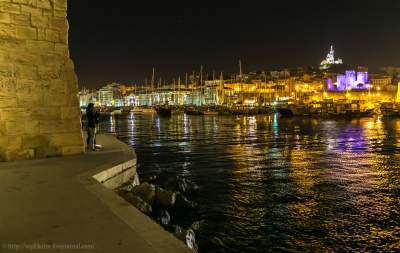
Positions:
(351, 80)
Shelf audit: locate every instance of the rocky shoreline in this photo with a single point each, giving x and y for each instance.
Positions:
(162, 202)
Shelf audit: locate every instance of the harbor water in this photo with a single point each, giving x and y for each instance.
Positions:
(266, 184)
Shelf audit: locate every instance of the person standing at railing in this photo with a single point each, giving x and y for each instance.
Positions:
(91, 126)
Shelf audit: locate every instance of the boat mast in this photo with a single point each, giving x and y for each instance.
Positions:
(201, 85)
(186, 80)
(174, 90)
(240, 80)
(212, 87)
(179, 87)
(152, 86)
(158, 90)
(222, 89)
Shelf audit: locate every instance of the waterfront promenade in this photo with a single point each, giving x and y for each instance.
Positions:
(53, 204)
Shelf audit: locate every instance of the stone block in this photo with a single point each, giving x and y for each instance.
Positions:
(60, 24)
(10, 8)
(39, 21)
(34, 141)
(45, 113)
(25, 85)
(21, 19)
(49, 72)
(64, 37)
(70, 112)
(32, 127)
(26, 33)
(15, 128)
(48, 13)
(27, 58)
(53, 59)
(52, 35)
(40, 47)
(53, 127)
(7, 31)
(2, 128)
(43, 4)
(5, 17)
(60, 5)
(31, 99)
(25, 9)
(14, 142)
(28, 72)
(60, 14)
(7, 99)
(28, 2)
(61, 49)
(13, 114)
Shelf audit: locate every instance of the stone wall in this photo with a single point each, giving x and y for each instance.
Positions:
(39, 110)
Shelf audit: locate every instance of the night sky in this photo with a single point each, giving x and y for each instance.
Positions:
(122, 40)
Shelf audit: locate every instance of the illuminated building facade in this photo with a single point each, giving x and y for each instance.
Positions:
(351, 80)
(110, 95)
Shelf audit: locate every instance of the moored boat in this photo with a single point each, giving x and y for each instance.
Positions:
(209, 113)
(164, 111)
(388, 109)
(116, 112)
(192, 111)
(285, 112)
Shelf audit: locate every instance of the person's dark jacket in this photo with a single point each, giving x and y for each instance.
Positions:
(91, 118)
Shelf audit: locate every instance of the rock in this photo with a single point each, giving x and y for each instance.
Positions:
(165, 198)
(183, 185)
(177, 229)
(189, 238)
(183, 202)
(138, 202)
(197, 225)
(165, 218)
(145, 191)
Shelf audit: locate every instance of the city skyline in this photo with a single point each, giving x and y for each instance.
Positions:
(176, 39)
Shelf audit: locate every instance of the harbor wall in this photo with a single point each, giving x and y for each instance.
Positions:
(39, 107)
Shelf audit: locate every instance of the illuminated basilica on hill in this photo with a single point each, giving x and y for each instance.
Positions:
(330, 60)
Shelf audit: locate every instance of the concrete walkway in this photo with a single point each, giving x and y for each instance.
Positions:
(54, 204)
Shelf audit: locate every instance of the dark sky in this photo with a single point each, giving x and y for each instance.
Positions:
(121, 40)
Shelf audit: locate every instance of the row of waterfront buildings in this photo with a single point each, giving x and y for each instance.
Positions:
(252, 92)
(252, 89)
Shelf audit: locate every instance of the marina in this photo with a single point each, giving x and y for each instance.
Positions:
(323, 109)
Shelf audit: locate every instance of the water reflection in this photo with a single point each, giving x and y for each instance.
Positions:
(271, 184)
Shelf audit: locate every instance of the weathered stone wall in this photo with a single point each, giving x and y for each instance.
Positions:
(39, 111)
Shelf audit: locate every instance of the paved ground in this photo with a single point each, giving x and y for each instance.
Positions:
(54, 203)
